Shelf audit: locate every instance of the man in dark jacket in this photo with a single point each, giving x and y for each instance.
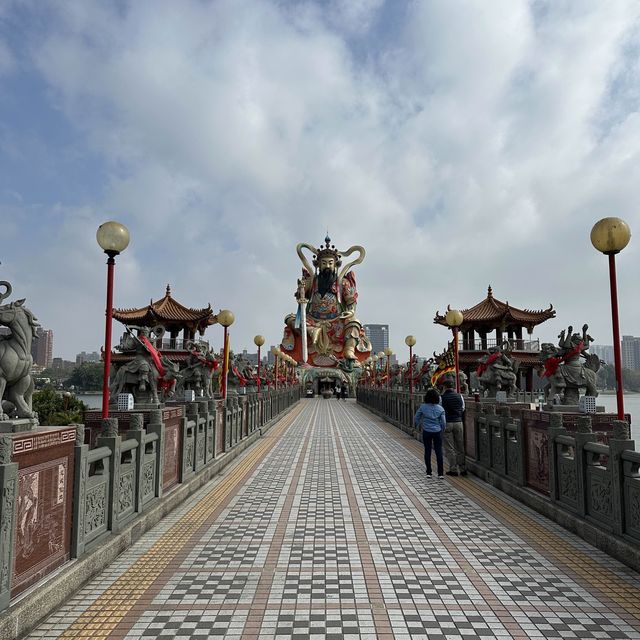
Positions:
(453, 404)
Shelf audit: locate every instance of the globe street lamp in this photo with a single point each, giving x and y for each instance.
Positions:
(226, 319)
(375, 369)
(611, 236)
(258, 341)
(388, 352)
(410, 341)
(454, 319)
(113, 239)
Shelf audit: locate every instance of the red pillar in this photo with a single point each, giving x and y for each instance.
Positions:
(617, 355)
(456, 361)
(410, 370)
(258, 368)
(225, 367)
(107, 338)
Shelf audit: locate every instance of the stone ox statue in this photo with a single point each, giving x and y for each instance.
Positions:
(16, 384)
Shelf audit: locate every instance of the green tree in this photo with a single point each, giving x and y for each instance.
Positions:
(86, 377)
(55, 409)
(607, 377)
(631, 380)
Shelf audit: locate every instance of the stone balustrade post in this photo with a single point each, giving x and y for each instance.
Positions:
(199, 433)
(555, 428)
(79, 492)
(8, 506)
(484, 434)
(110, 438)
(619, 441)
(136, 432)
(583, 435)
(521, 454)
(156, 425)
(188, 434)
(211, 430)
(499, 440)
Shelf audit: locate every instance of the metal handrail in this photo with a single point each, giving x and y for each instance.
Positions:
(530, 345)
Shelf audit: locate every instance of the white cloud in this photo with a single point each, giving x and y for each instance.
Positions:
(466, 150)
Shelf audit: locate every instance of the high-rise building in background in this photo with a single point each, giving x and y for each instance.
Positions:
(630, 353)
(42, 347)
(250, 357)
(378, 334)
(603, 351)
(83, 357)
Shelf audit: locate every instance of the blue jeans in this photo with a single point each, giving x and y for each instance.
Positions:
(433, 439)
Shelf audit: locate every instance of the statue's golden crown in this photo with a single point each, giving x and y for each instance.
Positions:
(327, 249)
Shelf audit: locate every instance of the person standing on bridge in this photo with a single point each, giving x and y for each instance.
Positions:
(430, 417)
(453, 404)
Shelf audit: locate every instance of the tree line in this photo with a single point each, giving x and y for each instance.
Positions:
(607, 378)
(82, 378)
(53, 400)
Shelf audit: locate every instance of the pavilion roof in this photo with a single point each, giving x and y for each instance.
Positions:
(492, 313)
(167, 312)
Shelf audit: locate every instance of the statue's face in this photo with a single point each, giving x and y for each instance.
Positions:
(327, 262)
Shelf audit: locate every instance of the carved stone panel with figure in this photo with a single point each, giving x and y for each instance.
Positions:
(45, 459)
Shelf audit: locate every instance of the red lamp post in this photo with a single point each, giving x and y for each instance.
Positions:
(258, 341)
(410, 341)
(226, 319)
(611, 236)
(454, 319)
(274, 351)
(113, 239)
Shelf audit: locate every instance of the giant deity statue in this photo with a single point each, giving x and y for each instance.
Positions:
(16, 383)
(498, 371)
(327, 297)
(564, 369)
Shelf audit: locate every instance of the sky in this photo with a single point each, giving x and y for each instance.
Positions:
(462, 143)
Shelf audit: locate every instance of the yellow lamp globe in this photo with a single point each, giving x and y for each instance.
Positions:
(258, 341)
(226, 317)
(113, 237)
(453, 318)
(610, 235)
(410, 341)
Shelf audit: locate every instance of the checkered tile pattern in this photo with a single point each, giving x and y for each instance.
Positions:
(165, 625)
(339, 534)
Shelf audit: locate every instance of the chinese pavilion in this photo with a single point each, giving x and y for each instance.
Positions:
(168, 316)
(489, 324)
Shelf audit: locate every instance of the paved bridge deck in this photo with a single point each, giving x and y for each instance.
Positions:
(328, 528)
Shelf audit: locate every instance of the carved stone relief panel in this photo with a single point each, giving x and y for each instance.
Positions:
(95, 510)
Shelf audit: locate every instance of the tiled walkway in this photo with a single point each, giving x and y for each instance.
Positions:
(329, 528)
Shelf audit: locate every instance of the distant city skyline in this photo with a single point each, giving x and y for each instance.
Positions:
(603, 351)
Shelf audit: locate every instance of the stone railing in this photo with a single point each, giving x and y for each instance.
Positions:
(580, 470)
(68, 490)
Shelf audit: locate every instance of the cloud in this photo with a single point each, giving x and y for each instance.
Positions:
(462, 145)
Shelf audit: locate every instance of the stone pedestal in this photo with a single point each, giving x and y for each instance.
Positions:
(20, 425)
